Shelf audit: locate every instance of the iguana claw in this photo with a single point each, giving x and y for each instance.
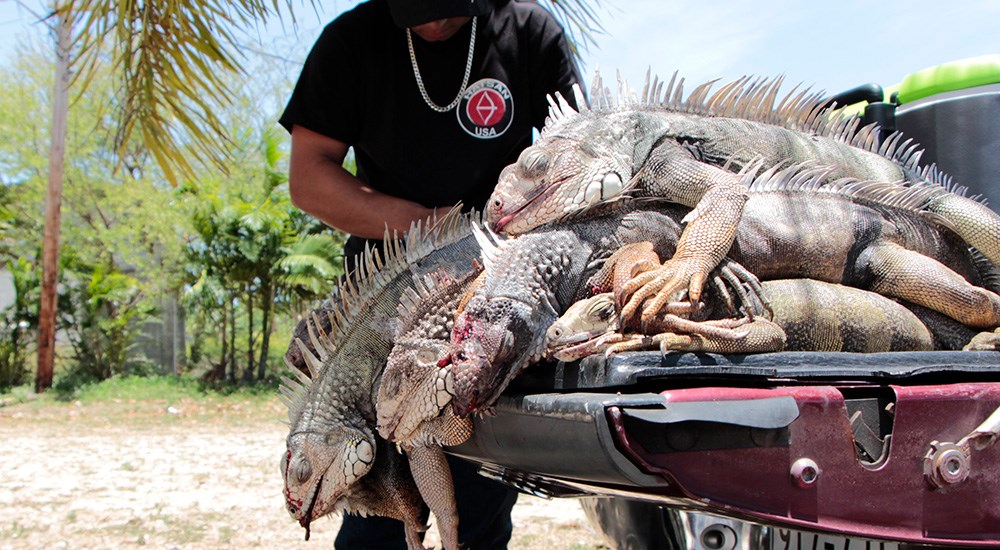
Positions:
(653, 289)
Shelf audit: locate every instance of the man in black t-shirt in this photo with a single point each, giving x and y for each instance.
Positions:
(360, 87)
(436, 97)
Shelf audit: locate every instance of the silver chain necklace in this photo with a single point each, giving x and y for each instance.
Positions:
(420, 81)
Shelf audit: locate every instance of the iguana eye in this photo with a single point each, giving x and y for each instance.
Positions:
(301, 470)
(426, 356)
(533, 163)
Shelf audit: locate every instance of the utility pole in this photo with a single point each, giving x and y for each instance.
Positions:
(53, 204)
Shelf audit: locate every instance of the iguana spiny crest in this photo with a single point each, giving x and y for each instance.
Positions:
(688, 152)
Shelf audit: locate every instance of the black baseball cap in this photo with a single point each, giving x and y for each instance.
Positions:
(410, 13)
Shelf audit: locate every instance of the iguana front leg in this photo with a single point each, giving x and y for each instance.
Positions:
(717, 197)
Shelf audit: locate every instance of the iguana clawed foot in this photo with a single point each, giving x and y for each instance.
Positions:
(635, 275)
(984, 341)
(590, 326)
(652, 290)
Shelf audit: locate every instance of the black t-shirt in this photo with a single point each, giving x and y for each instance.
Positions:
(358, 86)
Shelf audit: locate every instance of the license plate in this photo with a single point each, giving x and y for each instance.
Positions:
(787, 539)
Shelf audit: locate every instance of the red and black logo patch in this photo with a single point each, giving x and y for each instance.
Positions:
(486, 109)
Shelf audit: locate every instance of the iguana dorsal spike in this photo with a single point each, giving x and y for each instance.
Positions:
(596, 85)
(646, 86)
(565, 108)
(337, 318)
(312, 362)
(314, 339)
(581, 100)
(553, 116)
(665, 98)
(486, 245)
(621, 98)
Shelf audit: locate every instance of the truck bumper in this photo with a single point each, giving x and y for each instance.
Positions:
(865, 445)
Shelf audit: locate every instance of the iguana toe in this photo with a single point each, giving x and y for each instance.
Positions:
(984, 341)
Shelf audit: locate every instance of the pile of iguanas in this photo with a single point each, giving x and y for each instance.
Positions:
(726, 222)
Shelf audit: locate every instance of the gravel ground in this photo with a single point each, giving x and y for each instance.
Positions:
(180, 475)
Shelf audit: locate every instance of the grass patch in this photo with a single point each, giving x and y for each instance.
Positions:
(136, 388)
(165, 388)
(147, 401)
(16, 395)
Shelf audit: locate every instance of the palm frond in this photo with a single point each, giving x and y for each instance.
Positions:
(579, 18)
(173, 57)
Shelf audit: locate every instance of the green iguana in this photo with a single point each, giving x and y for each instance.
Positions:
(334, 460)
(528, 281)
(414, 396)
(867, 235)
(689, 152)
(808, 315)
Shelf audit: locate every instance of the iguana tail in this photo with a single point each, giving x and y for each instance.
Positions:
(972, 220)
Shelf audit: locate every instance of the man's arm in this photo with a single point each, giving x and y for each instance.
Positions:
(320, 186)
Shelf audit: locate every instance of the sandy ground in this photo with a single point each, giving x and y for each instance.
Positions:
(181, 475)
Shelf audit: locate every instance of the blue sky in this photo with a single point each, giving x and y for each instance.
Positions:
(830, 48)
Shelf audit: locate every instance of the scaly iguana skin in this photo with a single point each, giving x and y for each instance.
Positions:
(689, 152)
(334, 460)
(865, 235)
(528, 281)
(809, 315)
(414, 396)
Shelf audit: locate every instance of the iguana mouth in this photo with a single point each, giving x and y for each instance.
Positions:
(389, 429)
(579, 346)
(307, 518)
(548, 190)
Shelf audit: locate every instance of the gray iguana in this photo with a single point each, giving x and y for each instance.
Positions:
(334, 460)
(414, 396)
(689, 152)
(795, 225)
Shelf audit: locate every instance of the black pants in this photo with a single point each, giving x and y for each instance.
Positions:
(484, 522)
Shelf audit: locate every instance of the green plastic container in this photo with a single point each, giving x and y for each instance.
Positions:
(953, 111)
(956, 75)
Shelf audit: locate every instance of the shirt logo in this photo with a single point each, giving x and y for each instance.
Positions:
(486, 109)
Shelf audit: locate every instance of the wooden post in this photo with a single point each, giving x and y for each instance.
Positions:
(53, 203)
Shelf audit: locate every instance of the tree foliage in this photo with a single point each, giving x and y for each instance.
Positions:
(229, 241)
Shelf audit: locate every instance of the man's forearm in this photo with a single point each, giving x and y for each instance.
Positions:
(339, 200)
(320, 186)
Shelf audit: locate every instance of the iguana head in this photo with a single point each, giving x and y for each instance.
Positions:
(555, 177)
(329, 445)
(576, 334)
(414, 387)
(319, 469)
(493, 340)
